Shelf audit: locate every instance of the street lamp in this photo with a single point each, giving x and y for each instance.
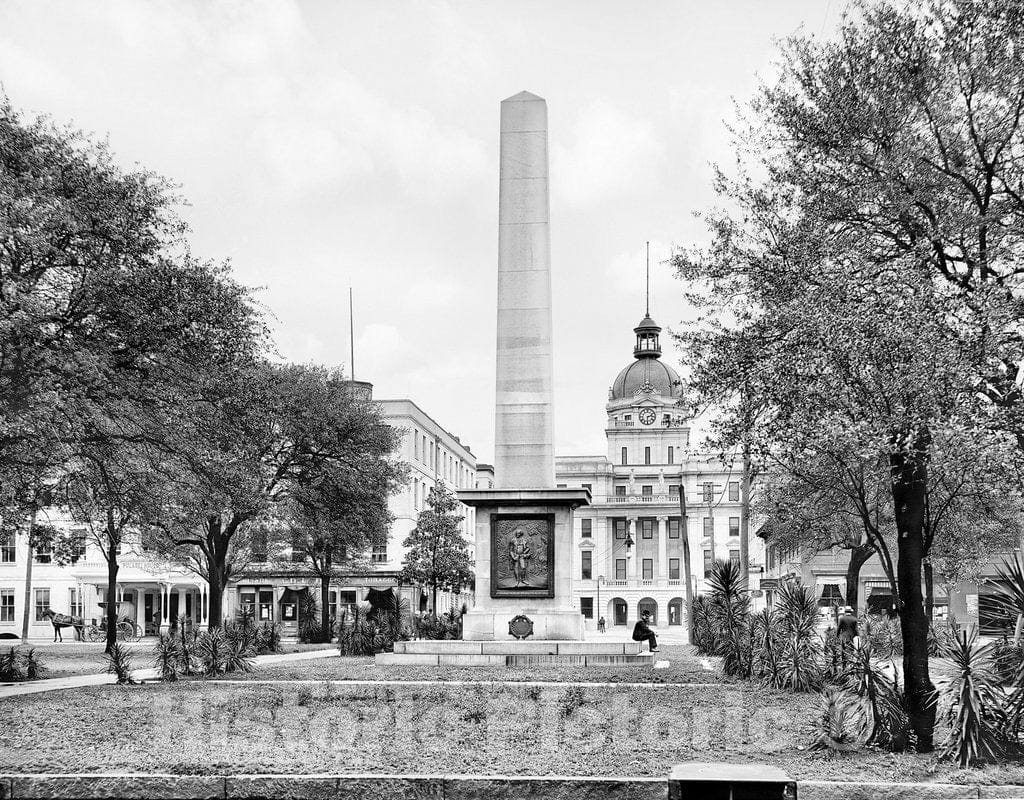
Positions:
(600, 580)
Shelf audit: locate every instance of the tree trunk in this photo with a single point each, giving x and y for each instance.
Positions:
(325, 597)
(908, 469)
(433, 599)
(929, 591)
(111, 609)
(28, 580)
(215, 613)
(858, 557)
(218, 541)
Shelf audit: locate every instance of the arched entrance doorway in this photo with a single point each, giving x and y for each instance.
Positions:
(620, 611)
(675, 611)
(650, 605)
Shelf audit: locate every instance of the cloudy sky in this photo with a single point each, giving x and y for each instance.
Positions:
(327, 144)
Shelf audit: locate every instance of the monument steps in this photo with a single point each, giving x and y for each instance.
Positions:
(512, 653)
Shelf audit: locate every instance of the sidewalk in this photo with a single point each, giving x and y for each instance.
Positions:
(99, 679)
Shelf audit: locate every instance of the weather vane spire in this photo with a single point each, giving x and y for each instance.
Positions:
(648, 310)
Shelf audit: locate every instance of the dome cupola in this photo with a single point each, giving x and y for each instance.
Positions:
(647, 343)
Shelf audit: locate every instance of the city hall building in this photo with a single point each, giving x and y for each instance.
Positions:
(629, 541)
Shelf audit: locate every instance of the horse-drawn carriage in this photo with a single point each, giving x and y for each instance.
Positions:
(127, 631)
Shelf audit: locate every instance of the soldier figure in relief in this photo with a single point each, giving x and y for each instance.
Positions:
(519, 555)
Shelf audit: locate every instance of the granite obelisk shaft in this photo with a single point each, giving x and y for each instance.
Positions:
(524, 447)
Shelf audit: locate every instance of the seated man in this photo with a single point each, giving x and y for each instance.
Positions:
(642, 631)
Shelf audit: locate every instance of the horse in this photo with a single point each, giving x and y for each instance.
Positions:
(64, 621)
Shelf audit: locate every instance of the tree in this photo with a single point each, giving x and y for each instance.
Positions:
(284, 442)
(876, 207)
(437, 554)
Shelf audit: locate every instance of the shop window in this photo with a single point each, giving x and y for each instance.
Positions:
(247, 603)
(266, 605)
(831, 596)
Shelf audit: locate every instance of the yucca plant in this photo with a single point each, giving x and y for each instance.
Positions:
(10, 666)
(212, 651)
(764, 635)
(976, 715)
(239, 657)
(268, 638)
(883, 702)
(729, 613)
(167, 657)
(31, 664)
(119, 662)
(800, 645)
(840, 724)
(703, 639)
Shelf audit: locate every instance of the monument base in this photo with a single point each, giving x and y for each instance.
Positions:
(490, 626)
(524, 564)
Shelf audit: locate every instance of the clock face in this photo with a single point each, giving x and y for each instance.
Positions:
(647, 416)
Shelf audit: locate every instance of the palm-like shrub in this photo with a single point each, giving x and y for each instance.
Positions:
(885, 635)
(703, 637)
(840, 724)
(765, 647)
(883, 702)
(119, 662)
(240, 656)
(211, 648)
(729, 618)
(977, 718)
(167, 657)
(10, 666)
(32, 664)
(268, 638)
(800, 661)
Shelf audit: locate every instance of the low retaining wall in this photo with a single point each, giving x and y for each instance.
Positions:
(438, 787)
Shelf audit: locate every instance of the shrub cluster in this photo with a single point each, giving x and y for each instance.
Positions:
(20, 665)
(446, 626)
(363, 632)
(862, 702)
(230, 648)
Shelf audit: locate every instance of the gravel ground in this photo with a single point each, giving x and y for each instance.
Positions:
(198, 727)
(684, 668)
(86, 658)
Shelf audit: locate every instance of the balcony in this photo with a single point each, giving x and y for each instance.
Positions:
(621, 423)
(645, 584)
(654, 499)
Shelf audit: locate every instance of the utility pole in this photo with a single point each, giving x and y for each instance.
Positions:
(687, 569)
(745, 492)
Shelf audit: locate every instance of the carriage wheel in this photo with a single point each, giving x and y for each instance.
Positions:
(94, 633)
(125, 631)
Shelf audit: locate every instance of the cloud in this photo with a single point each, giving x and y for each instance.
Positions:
(611, 155)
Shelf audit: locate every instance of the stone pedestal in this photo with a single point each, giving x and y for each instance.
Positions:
(524, 563)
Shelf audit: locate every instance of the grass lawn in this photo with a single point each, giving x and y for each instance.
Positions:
(684, 668)
(202, 726)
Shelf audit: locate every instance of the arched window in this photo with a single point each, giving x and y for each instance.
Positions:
(620, 611)
(648, 604)
(675, 611)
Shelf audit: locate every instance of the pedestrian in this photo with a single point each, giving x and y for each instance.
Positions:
(847, 633)
(642, 632)
(600, 625)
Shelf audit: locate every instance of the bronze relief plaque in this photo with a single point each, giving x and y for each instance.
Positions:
(523, 555)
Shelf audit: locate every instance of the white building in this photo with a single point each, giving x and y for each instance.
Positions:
(629, 540)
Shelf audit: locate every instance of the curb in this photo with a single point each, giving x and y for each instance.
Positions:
(438, 787)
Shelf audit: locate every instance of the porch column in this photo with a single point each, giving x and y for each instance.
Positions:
(181, 602)
(663, 548)
(165, 603)
(205, 603)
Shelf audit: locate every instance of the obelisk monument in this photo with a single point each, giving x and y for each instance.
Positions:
(524, 528)
(524, 449)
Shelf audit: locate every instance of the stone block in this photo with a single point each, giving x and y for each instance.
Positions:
(524, 112)
(605, 660)
(406, 659)
(127, 787)
(456, 660)
(836, 790)
(523, 201)
(514, 648)
(1001, 792)
(592, 648)
(282, 787)
(703, 780)
(512, 788)
(444, 647)
(524, 154)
